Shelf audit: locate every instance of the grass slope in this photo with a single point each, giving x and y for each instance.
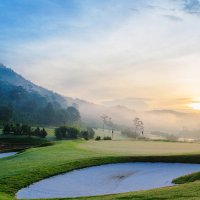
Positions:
(37, 163)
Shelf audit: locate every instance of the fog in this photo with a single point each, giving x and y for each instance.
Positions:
(168, 121)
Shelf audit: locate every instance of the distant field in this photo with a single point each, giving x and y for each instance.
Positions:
(141, 147)
(116, 135)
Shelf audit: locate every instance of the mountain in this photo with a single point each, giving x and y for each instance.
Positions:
(8, 76)
(170, 112)
(29, 103)
(23, 101)
(91, 113)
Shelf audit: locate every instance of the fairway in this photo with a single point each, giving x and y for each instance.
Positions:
(141, 147)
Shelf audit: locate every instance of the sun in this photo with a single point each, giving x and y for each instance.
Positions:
(195, 106)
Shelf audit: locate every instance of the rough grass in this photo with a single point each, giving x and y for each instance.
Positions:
(35, 164)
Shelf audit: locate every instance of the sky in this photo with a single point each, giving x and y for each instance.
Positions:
(137, 53)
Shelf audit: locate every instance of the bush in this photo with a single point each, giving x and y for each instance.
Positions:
(43, 133)
(58, 134)
(18, 129)
(98, 138)
(72, 133)
(87, 134)
(91, 133)
(64, 132)
(107, 138)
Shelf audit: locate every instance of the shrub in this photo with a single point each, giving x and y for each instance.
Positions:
(87, 134)
(72, 133)
(60, 132)
(107, 138)
(98, 138)
(91, 133)
(43, 133)
(64, 132)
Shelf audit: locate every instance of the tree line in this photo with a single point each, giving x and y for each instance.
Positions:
(65, 132)
(18, 105)
(49, 115)
(23, 129)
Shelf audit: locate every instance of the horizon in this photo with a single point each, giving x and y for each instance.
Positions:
(138, 54)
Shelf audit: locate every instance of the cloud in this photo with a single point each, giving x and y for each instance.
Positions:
(173, 17)
(99, 50)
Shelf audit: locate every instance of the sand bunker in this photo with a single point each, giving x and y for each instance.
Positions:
(108, 179)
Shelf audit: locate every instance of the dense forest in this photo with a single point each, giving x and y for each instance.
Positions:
(32, 104)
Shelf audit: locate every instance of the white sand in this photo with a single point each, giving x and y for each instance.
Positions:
(3, 155)
(108, 179)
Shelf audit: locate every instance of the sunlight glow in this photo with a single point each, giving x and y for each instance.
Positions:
(195, 106)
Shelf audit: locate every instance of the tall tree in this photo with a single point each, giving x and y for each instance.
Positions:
(6, 113)
(73, 114)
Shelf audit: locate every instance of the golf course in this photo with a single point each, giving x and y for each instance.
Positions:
(35, 164)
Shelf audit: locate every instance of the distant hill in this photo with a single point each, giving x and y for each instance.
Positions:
(10, 77)
(23, 101)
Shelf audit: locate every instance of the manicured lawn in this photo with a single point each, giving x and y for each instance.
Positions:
(37, 163)
(141, 147)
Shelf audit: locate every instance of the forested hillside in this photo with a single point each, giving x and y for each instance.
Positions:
(24, 102)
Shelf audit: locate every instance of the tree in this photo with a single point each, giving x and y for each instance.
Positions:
(138, 126)
(7, 129)
(73, 133)
(17, 129)
(91, 132)
(62, 116)
(49, 114)
(87, 134)
(26, 130)
(64, 132)
(37, 131)
(60, 132)
(104, 119)
(6, 113)
(110, 124)
(73, 115)
(43, 133)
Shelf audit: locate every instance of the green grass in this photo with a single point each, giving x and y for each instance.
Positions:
(138, 147)
(32, 165)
